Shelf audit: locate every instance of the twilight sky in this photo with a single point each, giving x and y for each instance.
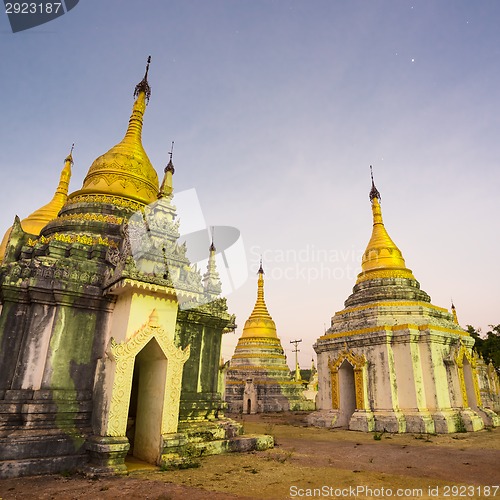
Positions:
(277, 109)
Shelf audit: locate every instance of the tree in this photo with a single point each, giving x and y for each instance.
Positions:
(487, 346)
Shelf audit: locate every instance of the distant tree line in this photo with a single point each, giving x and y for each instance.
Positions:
(488, 345)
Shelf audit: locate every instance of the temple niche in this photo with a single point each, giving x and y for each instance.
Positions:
(258, 378)
(393, 361)
(110, 340)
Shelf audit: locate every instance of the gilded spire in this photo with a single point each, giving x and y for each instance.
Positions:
(454, 312)
(166, 188)
(70, 156)
(382, 258)
(143, 85)
(374, 191)
(35, 222)
(125, 170)
(63, 185)
(260, 323)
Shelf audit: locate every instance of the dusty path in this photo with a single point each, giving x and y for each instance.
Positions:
(305, 459)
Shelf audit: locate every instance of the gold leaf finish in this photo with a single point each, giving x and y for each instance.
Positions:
(260, 323)
(382, 258)
(125, 170)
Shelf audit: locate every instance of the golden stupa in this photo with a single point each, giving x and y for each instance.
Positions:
(258, 378)
(125, 170)
(391, 360)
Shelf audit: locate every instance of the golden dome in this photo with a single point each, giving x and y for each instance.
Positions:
(260, 323)
(125, 170)
(382, 258)
(35, 222)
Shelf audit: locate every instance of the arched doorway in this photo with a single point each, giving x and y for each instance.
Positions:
(249, 397)
(348, 388)
(146, 403)
(347, 393)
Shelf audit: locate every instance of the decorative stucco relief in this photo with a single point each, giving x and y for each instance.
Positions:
(124, 354)
(358, 362)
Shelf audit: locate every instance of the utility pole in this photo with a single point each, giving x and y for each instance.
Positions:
(296, 351)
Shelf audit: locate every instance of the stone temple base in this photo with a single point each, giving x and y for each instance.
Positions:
(47, 451)
(107, 455)
(362, 420)
(411, 421)
(471, 420)
(490, 418)
(457, 420)
(194, 440)
(323, 418)
(43, 432)
(26, 454)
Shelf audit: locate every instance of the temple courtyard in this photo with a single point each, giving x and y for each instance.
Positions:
(356, 464)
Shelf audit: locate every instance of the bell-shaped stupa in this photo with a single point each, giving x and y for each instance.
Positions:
(391, 360)
(258, 378)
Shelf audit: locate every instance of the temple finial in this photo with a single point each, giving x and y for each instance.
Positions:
(170, 165)
(166, 188)
(143, 85)
(374, 191)
(70, 156)
(212, 246)
(454, 312)
(261, 270)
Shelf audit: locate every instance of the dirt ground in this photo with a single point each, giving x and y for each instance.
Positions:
(306, 462)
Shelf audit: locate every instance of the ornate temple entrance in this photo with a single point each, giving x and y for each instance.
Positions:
(145, 371)
(146, 403)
